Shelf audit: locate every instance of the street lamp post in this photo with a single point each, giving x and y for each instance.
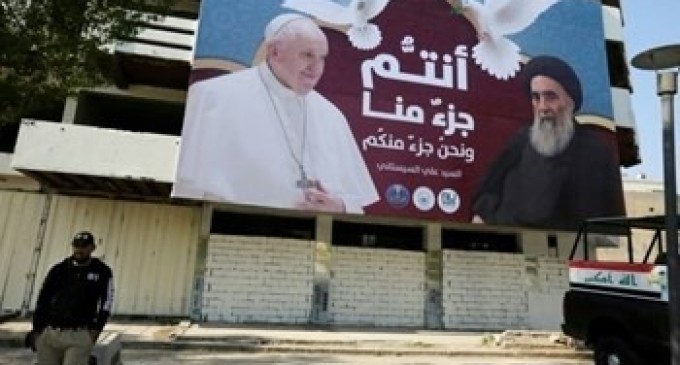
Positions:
(665, 60)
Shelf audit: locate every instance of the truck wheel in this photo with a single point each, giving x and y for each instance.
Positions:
(610, 350)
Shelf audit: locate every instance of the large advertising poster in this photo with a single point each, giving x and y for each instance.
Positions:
(488, 111)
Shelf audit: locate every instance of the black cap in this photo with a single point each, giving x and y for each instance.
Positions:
(83, 238)
(557, 70)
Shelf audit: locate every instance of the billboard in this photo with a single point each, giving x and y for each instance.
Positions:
(425, 109)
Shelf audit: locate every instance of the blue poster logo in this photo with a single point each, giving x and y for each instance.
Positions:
(397, 196)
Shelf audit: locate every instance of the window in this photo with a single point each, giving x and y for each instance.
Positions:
(262, 225)
(618, 68)
(553, 248)
(614, 3)
(479, 241)
(380, 236)
(130, 113)
(8, 136)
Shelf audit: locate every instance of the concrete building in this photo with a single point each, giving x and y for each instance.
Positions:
(109, 164)
(644, 197)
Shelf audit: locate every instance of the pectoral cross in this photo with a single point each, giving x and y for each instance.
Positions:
(304, 182)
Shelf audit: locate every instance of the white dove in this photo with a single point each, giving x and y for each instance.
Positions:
(362, 34)
(495, 19)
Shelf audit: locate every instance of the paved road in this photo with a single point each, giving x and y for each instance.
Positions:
(152, 357)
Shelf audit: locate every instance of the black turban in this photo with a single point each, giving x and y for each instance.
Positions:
(557, 70)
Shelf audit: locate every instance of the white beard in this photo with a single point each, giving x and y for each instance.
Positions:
(550, 136)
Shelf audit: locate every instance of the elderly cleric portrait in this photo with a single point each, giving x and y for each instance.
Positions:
(555, 172)
(264, 136)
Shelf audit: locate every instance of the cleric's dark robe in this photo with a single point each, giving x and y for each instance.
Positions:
(525, 188)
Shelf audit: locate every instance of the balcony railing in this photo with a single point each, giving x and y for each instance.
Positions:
(56, 148)
(169, 38)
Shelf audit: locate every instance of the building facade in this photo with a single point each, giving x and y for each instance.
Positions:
(108, 167)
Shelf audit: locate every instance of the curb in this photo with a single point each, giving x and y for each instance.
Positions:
(354, 350)
(311, 348)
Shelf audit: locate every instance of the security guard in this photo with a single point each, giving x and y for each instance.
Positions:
(73, 306)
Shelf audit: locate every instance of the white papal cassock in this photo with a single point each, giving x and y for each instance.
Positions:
(234, 149)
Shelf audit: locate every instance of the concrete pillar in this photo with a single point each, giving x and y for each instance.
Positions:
(70, 106)
(205, 217)
(434, 309)
(322, 269)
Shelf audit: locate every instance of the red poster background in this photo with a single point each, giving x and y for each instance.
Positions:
(499, 107)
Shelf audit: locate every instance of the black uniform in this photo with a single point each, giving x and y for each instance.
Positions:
(525, 188)
(75, 297)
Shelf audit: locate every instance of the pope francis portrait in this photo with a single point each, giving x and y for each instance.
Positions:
(263, 136)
